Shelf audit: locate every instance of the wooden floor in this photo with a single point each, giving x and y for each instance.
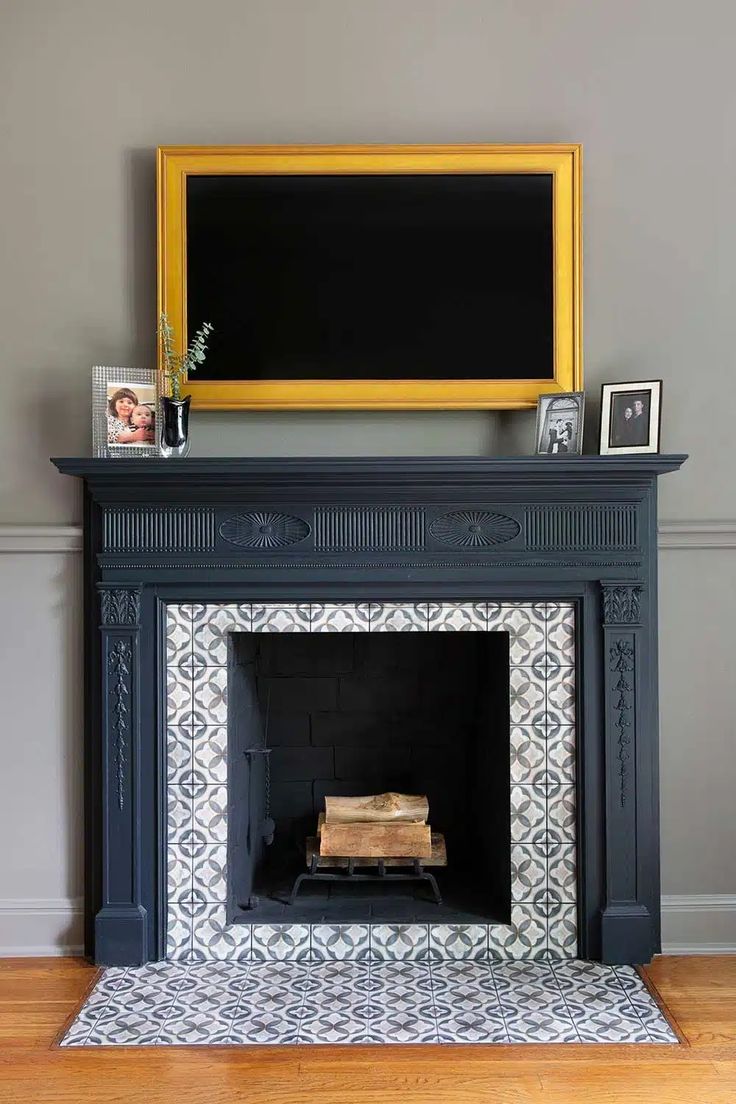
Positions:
(38, 995)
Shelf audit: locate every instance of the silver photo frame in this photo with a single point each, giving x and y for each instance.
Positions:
(103, 379)
(560, 424)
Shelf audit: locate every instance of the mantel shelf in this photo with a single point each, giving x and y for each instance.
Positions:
(355, 470)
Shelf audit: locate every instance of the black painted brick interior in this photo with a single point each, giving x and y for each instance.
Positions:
(351, 714)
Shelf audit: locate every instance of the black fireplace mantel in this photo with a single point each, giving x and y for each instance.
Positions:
(579, 528)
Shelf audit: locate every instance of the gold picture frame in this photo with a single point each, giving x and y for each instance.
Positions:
(563, 162)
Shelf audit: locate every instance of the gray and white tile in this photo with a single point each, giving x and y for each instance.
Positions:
(560, 619)
(560, 766)
(562, 870)
(399, 942)
(209, 753)
(458, 941)
(561, 812)
(179, 813)
(525, 624)
(209, 872)
(211, 635)
(562, 929)
(209, 813)
(528, 812)
(524, 938)
(399, 617)
(281, 942)
(281, 617)
(209, 696)
(231, 1001)
(527, 696)
(528, 753)
(340, 617)
(457, 616)
(178, 696)
(560, 707)
(214, 938)
(178, 638)
(179, 754)
(543, 764)
(337, 942)
(529, 871)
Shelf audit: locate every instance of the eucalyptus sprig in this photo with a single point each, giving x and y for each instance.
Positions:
(178, 366)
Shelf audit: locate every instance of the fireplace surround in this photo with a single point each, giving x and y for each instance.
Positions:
(205, 918)
(571, 536)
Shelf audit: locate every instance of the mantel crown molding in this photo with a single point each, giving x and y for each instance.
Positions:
(351, 471)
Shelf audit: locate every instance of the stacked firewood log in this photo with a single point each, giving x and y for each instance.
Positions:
(388, 827)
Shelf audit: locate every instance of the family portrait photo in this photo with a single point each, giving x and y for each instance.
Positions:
(629, 419)
(560, 424)
(131, 415)
(124, 412)
(630, 416)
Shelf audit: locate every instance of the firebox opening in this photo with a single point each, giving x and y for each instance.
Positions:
(331, 714)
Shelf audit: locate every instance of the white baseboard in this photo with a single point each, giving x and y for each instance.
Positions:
(68, 538)
(696, 924)
(699, 948)
(57, 950)
(37, 927)
(699, 924)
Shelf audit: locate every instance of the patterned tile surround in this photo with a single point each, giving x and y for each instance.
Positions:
(542, 701)
(169, 1003)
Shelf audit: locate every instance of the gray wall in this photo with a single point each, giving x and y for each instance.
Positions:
(88, 88)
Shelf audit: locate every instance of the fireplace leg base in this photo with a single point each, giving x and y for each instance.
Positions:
(626, 934)
(121, 936)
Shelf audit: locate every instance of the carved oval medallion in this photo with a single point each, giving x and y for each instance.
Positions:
(474, 528)
(264, 529)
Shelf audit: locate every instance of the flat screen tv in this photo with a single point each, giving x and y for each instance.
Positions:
(374, 277)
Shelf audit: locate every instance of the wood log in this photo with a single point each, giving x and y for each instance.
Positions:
(376, 840)
(377, 808)
(438, 856)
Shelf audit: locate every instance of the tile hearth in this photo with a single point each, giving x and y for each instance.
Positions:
(172, 1003)
(543, 806)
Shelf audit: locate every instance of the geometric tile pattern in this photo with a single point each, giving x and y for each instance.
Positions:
(437, 1001)
(543, 814)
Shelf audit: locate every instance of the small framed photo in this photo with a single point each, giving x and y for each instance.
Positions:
(560, 424)
(631, 415)
(124, 409)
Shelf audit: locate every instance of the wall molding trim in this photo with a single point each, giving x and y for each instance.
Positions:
(699, 902)
(673, 535)
(696, 534)
(41, 906)
(40, 538)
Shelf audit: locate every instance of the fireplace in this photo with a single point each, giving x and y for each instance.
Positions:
(346, 712)
(480, 630)
(471, 703)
